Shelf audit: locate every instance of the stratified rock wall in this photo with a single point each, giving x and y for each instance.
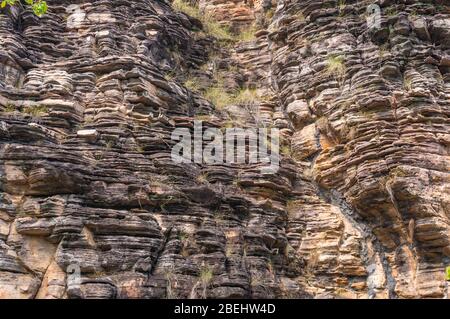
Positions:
(378, 133)
(91, 92)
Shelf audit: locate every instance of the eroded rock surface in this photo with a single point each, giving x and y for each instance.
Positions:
(90, 94)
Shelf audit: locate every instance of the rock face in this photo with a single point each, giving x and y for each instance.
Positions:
(92, 206)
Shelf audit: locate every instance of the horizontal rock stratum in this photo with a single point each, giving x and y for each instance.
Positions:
(92, 205)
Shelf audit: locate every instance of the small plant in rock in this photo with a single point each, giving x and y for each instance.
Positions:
(206, 276)
(245, 96)
(398, 172)
(336, 66)
(109, 145)
(247, 34)
(215, 29)
(440, 8)
(218, 96)
(447, 273)
(183, 236)
(228, 124)
(9, 108)
(234, 68)
(270, 13)
(219, 216)
(139, 149)
(98, 156)
(192, 84)
(341, 6)
(248, 99)
(286, 150)
(170, 76)
(229, 251)
(383, 50)
(39, 7)
(256, 280)
(237, 182)
(390, 12)
(407, 84)
(288, 250)
(413, 13)
(300, 17)
(202, 178)
(211, 26)
(36, 110)
(202, 117)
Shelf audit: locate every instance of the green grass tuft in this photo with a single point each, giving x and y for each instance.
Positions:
(206, 275)
(36, 110)
(9, 108)
(211, 26)
(336, 66)
(407, 84)
(218, 96)
(247, 34)
(192, 84)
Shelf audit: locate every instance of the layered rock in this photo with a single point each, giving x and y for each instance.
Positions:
(91, 93)
(377, 131)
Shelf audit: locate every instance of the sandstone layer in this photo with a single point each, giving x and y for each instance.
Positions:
(91, 92)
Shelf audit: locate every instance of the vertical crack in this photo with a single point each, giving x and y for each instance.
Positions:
(161, 248)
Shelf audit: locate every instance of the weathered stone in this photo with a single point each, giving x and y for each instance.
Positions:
(90, 95)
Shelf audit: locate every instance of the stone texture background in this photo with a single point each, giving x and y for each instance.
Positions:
(360, 207)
